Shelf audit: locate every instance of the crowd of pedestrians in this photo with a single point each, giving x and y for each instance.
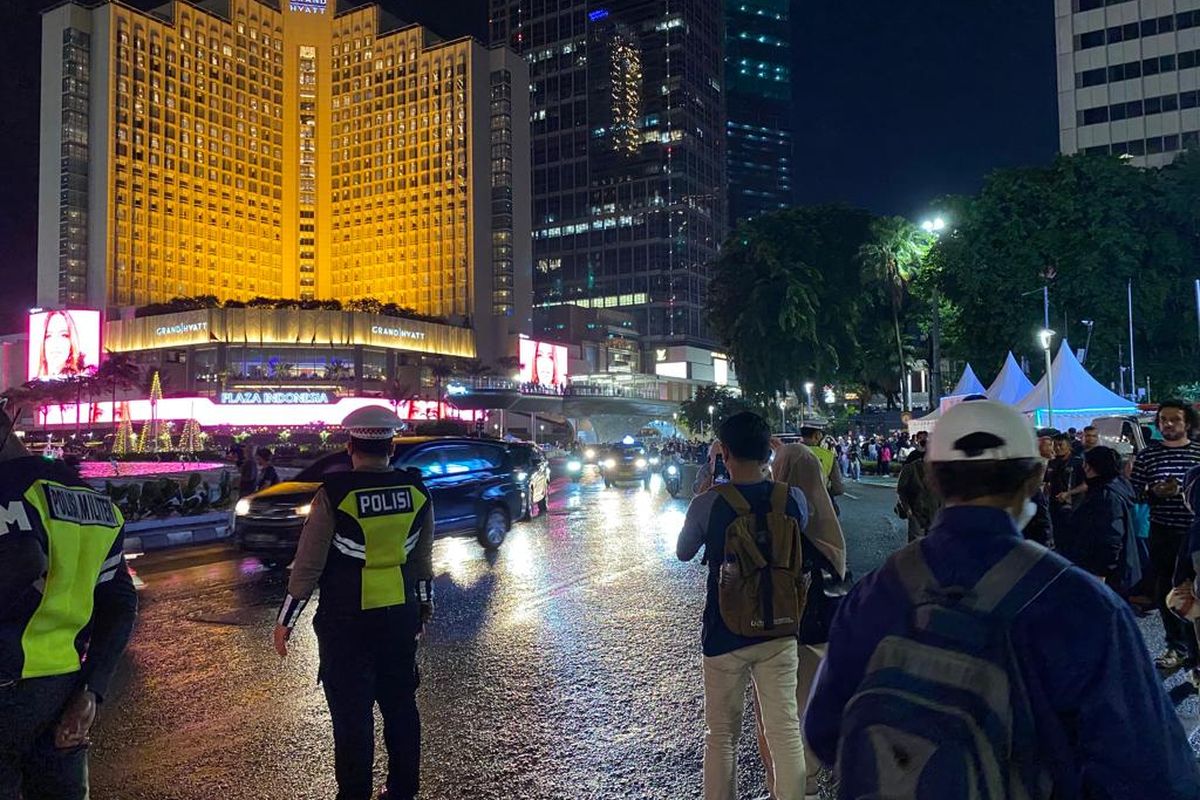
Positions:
(996, 655)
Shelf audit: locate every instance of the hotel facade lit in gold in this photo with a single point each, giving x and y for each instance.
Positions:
(239, 149)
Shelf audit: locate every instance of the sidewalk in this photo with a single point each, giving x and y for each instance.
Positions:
(156, 534)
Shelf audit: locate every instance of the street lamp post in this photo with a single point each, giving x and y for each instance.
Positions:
(711, 409)
(1046, 336)
(808, 390)
(783, 416)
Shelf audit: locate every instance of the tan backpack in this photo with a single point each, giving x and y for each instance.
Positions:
(763, 586)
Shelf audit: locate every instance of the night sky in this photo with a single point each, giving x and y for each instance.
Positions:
(897, 102)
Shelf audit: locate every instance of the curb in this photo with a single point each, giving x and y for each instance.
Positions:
(159, 534)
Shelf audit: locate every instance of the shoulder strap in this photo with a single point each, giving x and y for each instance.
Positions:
(779, 498)
(914, 574)
(732, 496)
(1016, 580)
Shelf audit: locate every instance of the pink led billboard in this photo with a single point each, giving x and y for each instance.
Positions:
(63, 343)
(543, 363)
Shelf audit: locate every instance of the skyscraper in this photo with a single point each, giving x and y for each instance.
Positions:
(244, 148)
(1128, 78)
(758, 90)
(628, 154)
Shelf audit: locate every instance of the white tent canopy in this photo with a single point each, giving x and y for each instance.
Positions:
(1078, 397)
(1011, 386)
(969, 383)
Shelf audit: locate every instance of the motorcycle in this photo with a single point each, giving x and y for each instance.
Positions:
(672, 477)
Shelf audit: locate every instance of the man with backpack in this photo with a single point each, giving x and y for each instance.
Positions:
(751, 532)
(977, 664)
(917, 501)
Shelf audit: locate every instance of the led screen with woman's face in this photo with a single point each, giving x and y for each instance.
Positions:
(63, 343)
(543, 363)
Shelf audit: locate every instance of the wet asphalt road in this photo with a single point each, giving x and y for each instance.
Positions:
(566, 666)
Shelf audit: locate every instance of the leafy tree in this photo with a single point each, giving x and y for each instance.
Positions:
(783, 298)
(1083, 226)
(694, 412)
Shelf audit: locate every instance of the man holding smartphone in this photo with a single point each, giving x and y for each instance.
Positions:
(1158, 474)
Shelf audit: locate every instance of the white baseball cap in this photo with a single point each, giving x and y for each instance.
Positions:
(981, 430)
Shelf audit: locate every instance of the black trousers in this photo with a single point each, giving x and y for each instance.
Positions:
(1170, 565)
(30, 766)
(369, 658)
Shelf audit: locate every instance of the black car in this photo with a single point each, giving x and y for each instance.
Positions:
(532, 471)
(473, 483)
(626, 462)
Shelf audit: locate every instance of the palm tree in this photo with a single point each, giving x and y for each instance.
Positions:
(893, 257)
(440, 369)
(118, 371)
(398, 390)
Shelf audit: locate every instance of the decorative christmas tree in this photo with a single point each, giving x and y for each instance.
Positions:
(165, 445)
(124, 441)
(152, 432)
(191, 437)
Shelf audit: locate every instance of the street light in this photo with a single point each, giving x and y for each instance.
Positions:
(783, 416)
(1046, 337)
(934, 227)
(711, 409)
(1087, 348)
(808, 390)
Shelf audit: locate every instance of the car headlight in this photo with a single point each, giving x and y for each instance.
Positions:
(672, 470)
(640, 463)
(303, 510)
(242, 508)
(574, 466)
(654, 460)
(609, 463)
(589, 454)
(521, 477)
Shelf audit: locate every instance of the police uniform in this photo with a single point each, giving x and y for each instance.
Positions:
(368, 544)
(64, 590)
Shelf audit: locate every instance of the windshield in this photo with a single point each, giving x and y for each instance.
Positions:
(326, 465)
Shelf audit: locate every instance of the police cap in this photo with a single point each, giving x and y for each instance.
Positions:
(372, 422)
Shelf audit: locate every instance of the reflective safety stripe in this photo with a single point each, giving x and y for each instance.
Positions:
(350, 547)
(81, 526)
(386, 520)
(411, 542)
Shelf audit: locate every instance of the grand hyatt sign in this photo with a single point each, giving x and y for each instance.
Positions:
(397, 333)
(261, 327)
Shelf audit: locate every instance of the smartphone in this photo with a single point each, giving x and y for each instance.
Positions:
(720, 473)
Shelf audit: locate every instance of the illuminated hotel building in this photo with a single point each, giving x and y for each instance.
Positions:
(242, 149)
(628, 156)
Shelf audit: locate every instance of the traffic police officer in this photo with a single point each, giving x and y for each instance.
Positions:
(64, 591)
(811, 432)
(368, 543)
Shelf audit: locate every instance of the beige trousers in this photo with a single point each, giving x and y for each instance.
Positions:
(772, 667)
(809, 660)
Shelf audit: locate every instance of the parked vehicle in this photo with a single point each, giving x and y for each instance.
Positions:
(473, 484)
(1126, 434)
(626, 462)
(532, 471)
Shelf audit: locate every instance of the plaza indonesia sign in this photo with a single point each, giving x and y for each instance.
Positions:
(270, 398)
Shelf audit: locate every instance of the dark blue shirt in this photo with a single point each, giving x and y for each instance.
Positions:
(707, 518)
(1104, 722)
